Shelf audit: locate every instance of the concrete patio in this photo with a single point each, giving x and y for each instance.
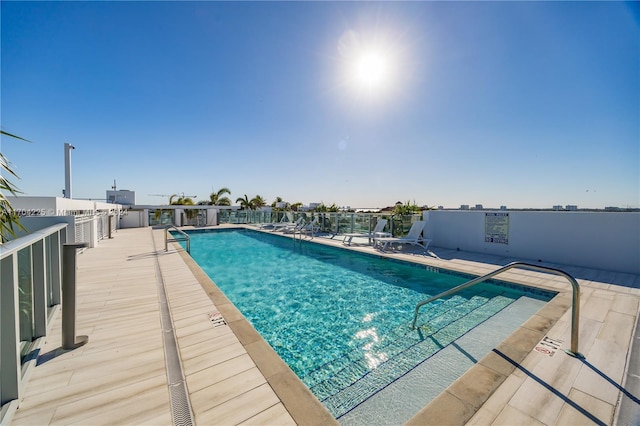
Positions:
(124, 374)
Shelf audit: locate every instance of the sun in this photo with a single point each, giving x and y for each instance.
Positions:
(371, 70)
(370, 65)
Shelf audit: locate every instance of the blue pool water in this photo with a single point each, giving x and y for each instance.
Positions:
(341, 320)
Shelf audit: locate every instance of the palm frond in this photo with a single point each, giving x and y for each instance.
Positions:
(14, 136)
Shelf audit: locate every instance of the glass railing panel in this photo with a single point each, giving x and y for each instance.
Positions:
(48, 271)
(341, 223)
(401, 224)
(362, 223)
(325, 221)
(25, 297)
(160, 217)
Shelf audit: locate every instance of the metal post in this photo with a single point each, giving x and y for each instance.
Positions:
(67, 169)
(69, 340)
(109, 225)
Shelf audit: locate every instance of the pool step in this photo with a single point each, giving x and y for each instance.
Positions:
(355, 366)
(358, 382)
(398, 339)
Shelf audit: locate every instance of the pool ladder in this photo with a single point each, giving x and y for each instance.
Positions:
(575, 305)
(183, 237)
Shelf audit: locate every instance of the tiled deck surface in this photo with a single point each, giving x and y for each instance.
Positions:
(232, 376)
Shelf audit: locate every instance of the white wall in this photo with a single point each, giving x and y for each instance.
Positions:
(135, 219)
(600, 240)
(57, 206)
(33, 224)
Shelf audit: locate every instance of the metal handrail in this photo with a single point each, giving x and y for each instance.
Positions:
(186, 236)
(575, 305)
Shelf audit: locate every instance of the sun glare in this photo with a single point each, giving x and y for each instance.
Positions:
(371, 70)
(370, 64)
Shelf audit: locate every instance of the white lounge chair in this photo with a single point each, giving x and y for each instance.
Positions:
(414, 237)
(285, 221)
(376, 230)
(311, 227)
(288, 226)
(291, 226)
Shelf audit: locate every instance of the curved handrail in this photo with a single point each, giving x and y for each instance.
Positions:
(186, 236)
(575, 305)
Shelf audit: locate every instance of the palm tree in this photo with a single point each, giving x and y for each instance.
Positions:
(285, 205)
(8, 216)
(296, 206)
(257, 202)
(276, 201)
(218, 198)
(407, 208)
(184, 201)
(245, 203)
(323, 208)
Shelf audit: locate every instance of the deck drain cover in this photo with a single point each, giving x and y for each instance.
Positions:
(216, 319)
(548, 346)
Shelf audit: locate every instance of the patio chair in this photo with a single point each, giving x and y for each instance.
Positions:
(414, 237)
(289, 225)
(370, 235)
(285, 221)
(311, 227)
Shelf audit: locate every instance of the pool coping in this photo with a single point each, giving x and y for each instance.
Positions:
(457, 404)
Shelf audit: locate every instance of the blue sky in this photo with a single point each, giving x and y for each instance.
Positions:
(523, 104)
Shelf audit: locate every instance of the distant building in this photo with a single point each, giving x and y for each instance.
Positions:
(571, 208)
(121, 196)
(478, 207)
(464, 207)
(558, 208)
(503, 207)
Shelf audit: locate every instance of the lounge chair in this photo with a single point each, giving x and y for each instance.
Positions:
(414, 237)
(291, 226)
(285, 221)
(311, 227)
(288, 226)
(376, 230)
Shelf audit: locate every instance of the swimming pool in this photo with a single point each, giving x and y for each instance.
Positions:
(341, 319)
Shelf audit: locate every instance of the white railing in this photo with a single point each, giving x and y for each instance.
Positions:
(83, 228)
(92, 228)
(30, 292)
(105, 220)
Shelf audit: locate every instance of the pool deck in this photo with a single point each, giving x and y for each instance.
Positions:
(122, 375)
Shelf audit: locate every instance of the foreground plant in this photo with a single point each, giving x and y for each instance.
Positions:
(9, 220)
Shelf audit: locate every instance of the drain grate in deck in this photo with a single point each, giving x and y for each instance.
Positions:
(180, 405)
